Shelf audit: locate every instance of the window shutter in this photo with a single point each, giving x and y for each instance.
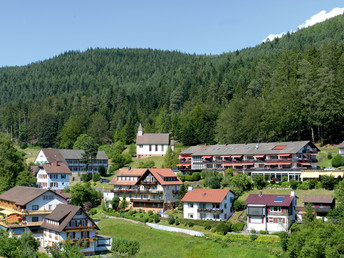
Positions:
(282, 209)
(268, 209)
(262, 220)
(249, 219)
(275, 220)
(267, 219)
(283, 220)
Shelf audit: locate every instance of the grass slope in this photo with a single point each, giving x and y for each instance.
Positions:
(156, 243)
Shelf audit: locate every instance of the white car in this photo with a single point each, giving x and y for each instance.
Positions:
(329, 168)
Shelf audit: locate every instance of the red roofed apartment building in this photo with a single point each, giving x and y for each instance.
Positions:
(147, 188)
(270, 212)
(208, 204)
(152, 144)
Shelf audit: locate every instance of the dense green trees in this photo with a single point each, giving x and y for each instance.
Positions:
(288, 89)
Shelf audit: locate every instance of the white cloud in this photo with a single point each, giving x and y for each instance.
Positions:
(321, 16)
(271, 37)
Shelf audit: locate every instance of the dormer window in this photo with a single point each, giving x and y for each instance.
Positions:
(275, 209)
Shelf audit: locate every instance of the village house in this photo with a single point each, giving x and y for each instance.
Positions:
(272, 160)
(147, 188)
(152, 144)
(270, 212)
(23, 209)
(341, 149)
(54, 176)
(73, 159)
(321, 206)
(208, 204)
(73, 222)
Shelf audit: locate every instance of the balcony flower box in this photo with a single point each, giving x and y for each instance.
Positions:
(56, 237)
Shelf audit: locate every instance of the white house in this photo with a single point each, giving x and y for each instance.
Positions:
(72, 158)
(23, 209)
(153, 189)
(270, 212)
(53, 176)
(341, 149)
(152, 144)
(73, 222)
(208, 204)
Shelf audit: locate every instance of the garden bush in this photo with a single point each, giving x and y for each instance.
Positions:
(92, 212)
(238, 205)
(124, 246)
(191, 224)
(177, 222)
(207, 226)
(85, 177)
(150, 220)
(96, 177)
(156, 218)
(253, 237)
(264, 232)
(223, 228)
(171, 220)
(150, 213)
(238, 227)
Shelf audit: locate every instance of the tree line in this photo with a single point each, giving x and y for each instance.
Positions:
(287, 89)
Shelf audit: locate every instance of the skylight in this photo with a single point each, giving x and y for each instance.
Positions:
(279, 147)
(279, 199)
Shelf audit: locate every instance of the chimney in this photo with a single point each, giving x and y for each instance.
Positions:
(129, 168)
(260, 193)
(190, 188)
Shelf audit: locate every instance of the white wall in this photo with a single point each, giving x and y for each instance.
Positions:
(41, 158)
(46, 204)
(145, 149)
(62, 182)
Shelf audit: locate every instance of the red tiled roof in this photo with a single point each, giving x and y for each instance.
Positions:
(269, 200)
(159, 173)
(56, 168)
(205, 195)
(126, 172)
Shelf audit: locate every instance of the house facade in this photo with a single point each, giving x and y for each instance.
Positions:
(270, 212)
(69, 221)
(152, 144)
(208, 204)
(149, 188)
(23, 209)
(341, 149)
(54, 176)
(274, 159)
(73, 159)
(321, 206)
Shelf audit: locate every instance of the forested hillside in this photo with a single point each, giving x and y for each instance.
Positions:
(288, 89)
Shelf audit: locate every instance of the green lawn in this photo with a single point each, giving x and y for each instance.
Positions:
(31, 154)
(156, 243)
(158, 160)
(299, 193)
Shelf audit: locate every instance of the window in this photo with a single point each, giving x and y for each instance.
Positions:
(275, 209)
(156, 147)
(35, 207)
(216, 205)
(63, 176)
(150, 147)
(72, 223)
(271, 220)
(280, 220)
(216, 216)
(190, 205)
(140, 146)
(225, 206)
(190, 216)
(34, 219)
(162, 147)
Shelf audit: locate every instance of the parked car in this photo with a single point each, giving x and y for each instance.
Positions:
(329, 168)
(104, 180)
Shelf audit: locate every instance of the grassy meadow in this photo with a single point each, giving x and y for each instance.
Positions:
(157, 243)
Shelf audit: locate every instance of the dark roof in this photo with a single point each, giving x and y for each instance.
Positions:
(269, 199)
(249, 148)
(153, 138)
(33, 169)
(318, 199)
(63, 214)
(63, 194)
(205, 195)
(61, 155)
(56, 168)
(21, 195)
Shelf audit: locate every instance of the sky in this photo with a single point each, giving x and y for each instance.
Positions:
(36, 30)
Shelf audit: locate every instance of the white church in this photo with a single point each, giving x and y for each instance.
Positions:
(152, 144)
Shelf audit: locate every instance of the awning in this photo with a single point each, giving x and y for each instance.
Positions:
(259, 156)
(315, 154)
(305, 163)
(284, 155)
(184, 157)
(206, 157)
(232, 164)
(181, 165)
(272, 163)
(284, 163)
(249, 163)
(236, 156)
(226, 156)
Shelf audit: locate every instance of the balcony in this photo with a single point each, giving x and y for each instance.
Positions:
(147, 200)
(324, 209)
(279, 213)
(215, 210)
(148, 183)
(20, 224)
(151, 191)
(80, 228)
(80, 240)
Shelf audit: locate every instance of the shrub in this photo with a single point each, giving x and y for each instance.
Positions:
(329, 155)
(150, 213)
(253, 231)
(264, 232)
(195, 176)
(85, 177)
(238, 227)
(102, 171)
(96, 177)
(337, 161)
(181, 177)
(222, 228)
(238, 205)
(131, 212)
(304, 185)
(293, 184)
(156, 218)
(177, 222)
(124, 246)
(150, 220)
(92, 212)
(191, 224)
(253, 237)
(171, 220)
(207, 226)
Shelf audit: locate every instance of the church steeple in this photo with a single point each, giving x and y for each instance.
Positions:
(140, 131)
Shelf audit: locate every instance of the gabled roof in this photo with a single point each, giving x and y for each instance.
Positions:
(153, 138)
(206, 195)
(249, 148)
(21, 195)
(61, 155)
(341, 146)
(63, 214)
(269, 200)
(158, 173)
(318, 199)
(54, 168)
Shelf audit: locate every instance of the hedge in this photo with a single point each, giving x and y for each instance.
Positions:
(238, 227)
(124, 246)
(244, 239)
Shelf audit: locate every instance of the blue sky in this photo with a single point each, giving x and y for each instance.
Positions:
(31, 31)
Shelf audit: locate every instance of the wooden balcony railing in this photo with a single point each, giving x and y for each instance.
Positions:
(215, 210)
